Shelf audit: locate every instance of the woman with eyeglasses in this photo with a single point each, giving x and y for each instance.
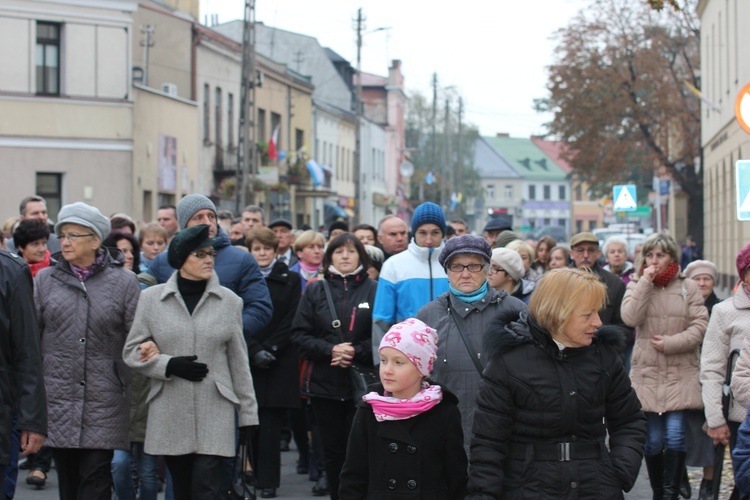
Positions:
(462, 316)
(85, 305)
(200, 379)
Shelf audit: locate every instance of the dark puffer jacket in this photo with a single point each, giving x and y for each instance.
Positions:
(20, 362)
(315, 337)
(539, 403)
(83, 329)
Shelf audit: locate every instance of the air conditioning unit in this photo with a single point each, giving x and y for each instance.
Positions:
(169, 89)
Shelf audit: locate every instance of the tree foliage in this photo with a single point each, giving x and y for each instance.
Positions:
(442, 152)
(618, 96)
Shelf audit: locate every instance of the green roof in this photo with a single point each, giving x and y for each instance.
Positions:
(527, 159)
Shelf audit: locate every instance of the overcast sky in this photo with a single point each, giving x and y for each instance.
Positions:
(494, 52)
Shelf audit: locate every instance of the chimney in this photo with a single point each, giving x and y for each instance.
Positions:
(503, 134)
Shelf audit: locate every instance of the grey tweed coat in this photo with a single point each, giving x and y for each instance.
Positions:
(193, 417)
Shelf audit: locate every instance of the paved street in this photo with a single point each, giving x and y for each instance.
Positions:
(296, 486)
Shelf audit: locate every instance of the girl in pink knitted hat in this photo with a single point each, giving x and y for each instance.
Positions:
(406, 439)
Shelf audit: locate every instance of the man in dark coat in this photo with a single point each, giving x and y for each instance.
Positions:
(21, 379)
(585, 252)
(236, 268)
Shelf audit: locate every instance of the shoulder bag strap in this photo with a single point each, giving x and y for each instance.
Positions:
(335, 323)
(467, 342)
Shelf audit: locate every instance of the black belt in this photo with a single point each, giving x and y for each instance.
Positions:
(563, 452)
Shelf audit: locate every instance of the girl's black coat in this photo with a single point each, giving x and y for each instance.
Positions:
(312, 332)
(420, 457)
(278, 385)
(535, 393)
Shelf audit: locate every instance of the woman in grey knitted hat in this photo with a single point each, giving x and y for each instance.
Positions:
(462, 316)
(85, 304)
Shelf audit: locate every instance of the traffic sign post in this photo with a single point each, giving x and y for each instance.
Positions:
(624, 198)
(742, 181)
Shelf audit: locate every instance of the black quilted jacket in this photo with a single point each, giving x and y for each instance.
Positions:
(83, 327)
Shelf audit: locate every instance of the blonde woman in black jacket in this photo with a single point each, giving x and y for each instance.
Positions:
(554, 389)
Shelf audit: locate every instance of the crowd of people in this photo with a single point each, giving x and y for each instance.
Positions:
(404, 360)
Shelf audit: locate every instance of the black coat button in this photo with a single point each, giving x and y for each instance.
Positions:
(393, 447)
(83, 383)
(391, 484)
(411, 449)
(411, 484)
(82, 340)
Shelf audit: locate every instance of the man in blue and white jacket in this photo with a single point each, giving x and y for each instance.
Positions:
(412, 278)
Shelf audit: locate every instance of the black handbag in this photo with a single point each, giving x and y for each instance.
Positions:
(361, 376)
(239, 489)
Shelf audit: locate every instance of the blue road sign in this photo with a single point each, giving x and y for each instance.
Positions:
(624, 198)
(742, 173)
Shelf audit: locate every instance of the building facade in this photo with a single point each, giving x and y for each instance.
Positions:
(502, 187)
(725, 69)
(66, 103)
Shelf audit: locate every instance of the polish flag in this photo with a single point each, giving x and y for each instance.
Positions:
(272, 153)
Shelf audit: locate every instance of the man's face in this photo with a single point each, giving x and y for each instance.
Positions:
(236, 232)
(461, 229)
(585, 254)
(35, 210)
(167, 219)
(393, 236)
(251, 220)
(490, 236)
(204, 216)
(285, 236)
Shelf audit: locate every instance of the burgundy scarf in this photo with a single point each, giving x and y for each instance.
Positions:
(665, 277)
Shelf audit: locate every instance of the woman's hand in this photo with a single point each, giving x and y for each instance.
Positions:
(342, 355)
(657, 341)
(148, 351)
(720, 434)
(649, 273)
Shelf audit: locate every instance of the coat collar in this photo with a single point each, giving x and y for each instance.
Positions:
(740, 299)
(423, 253)
(212, 288)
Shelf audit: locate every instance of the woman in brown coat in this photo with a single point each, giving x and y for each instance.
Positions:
(668, 311)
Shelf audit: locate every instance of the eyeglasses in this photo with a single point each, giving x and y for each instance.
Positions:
(72, 236)
(494, 270)
(459, 268)
(202, 254)
(582, 250)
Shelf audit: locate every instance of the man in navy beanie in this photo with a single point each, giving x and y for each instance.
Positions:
(412, 278)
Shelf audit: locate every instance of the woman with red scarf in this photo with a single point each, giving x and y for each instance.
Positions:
(30, 238)
(667, 310)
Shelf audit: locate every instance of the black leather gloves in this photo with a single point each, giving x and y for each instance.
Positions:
(186, 367)
(263, 359)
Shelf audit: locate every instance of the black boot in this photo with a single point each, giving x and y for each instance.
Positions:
(674, 462)
(706, 491)
(686, 490)
(655, 467)
(321, 486)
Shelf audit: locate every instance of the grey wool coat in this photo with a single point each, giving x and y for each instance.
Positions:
(193, 417)
(454, 369)
(83, 327)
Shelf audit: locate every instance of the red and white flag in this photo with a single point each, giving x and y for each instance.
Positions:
(272, 152)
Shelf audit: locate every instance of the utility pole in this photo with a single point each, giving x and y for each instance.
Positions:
(460, 163)
(246, 154)
(447, 179)
(433, 159)
(148, 31)
(360, 27)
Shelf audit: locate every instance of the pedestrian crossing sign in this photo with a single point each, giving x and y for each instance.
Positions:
(742, 171)
(624, 197)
